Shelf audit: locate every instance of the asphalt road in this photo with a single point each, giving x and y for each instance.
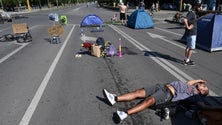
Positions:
(45, 84)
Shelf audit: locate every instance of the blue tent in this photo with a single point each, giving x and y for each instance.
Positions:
(92, 20)
(140, 19)
(209, 32)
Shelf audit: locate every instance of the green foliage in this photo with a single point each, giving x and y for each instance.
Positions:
(15, 3)
(10, 2)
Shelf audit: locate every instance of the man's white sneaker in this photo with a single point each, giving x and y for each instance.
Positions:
(122, 115)
(109, 96)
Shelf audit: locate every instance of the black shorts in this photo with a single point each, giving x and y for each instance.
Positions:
(161, 93)
(122, 16)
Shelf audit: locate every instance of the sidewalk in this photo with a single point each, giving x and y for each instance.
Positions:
(160, 15)
(35, 10)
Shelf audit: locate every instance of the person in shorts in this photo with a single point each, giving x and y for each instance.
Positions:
(190, 22)
(158, 94)
(122, 9)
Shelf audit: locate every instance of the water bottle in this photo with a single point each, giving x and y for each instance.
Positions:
(81, 32)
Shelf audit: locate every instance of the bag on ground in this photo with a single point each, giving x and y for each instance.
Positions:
(111, 50)
(96, 50)
(100, 41)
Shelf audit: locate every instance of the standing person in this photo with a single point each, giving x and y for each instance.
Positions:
(190, 22)
(158, 95)
(142, 5)
(123, 9)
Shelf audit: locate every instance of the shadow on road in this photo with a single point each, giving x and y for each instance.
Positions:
(164, 56)
(179, 27)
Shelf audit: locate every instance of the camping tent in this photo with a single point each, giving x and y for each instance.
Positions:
(92, 20)
(209, 32)
(140, 19)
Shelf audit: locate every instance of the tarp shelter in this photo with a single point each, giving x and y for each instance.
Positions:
(91, 20)
(209, 32)
(140, 19)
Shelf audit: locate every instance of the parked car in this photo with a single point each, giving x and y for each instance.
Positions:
(4, 16)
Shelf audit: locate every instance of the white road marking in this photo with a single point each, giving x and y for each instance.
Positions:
(4, 29)
(13, 52)
(87, 38)
(154, 56)
(176, 72)
(162, 38)
(16, 50)
(73, 10)
(31, 109)
(168, 31)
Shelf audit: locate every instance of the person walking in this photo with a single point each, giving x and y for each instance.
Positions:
(122, 9)
(142, 5)
(158, 95)
(190, 22)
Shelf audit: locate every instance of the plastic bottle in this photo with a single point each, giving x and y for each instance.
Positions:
(120, 48)
(81, 32)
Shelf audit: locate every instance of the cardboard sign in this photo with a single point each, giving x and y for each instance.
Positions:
(96, 50)
(56, 30)
(19, 28)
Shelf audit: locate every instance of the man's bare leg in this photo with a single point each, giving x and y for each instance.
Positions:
(186, 52)
(140, 93)
(149, 101)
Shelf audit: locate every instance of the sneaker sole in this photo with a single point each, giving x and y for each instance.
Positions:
(188, 64)
(119, 117)
(191, 65)
(104, 94)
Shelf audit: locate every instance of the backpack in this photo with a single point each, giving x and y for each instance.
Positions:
(111, 51)
(100, 41)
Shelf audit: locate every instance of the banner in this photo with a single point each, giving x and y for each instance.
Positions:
(19, 28)
(56, 30)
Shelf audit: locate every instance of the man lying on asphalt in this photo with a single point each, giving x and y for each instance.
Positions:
(158, 94)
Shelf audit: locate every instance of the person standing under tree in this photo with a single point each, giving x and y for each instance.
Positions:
(190, 22)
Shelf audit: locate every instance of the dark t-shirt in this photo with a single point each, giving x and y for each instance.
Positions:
(191, 18)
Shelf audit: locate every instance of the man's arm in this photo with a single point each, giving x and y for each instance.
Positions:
(189, 27)
(193, 82)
